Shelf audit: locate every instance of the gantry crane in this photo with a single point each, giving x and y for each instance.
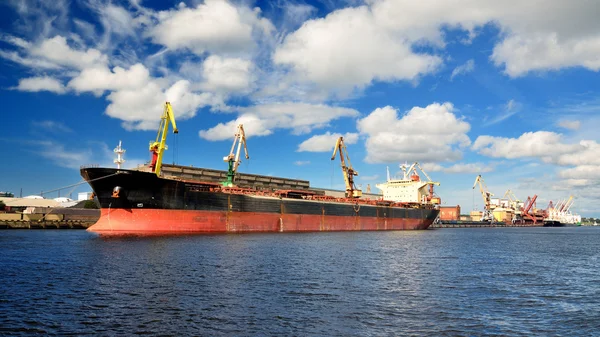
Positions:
(347, 171)
(159, 146)
(234, 159)
(487, 211)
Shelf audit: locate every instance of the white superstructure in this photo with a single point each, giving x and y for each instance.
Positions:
(410, 188)
(562, 213)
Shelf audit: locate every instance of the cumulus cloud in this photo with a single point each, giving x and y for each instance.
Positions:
(41, 83)
(462, 69)
(588, 172)
(264, 118)
(228, 75)
(57, 51)
(546, 51)
(541, 144)
(460, 168)
(326, 142)
(99, 79)
(216, 26)
(430, 134)
(351, 47)
(141, 108)
(348, 49)
(569, 124)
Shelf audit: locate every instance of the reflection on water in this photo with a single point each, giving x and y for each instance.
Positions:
(498, 281)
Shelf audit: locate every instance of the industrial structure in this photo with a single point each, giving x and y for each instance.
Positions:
(512, 210)
(232, 159)
(486, 214)
(158, 146)
(347, 170)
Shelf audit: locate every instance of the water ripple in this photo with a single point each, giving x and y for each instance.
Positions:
(463, 282)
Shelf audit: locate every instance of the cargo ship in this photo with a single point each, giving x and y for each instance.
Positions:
(140, 202)
(147, 201)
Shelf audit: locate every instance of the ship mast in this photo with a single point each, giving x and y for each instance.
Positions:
(347, 171)
(119, 151)
(234, 159)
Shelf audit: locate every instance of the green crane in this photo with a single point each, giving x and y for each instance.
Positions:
(232, 159)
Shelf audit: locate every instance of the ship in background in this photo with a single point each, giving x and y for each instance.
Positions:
(560, 215)
(148, 201)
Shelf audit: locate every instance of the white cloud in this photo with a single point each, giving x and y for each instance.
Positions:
(52, 126)
(326, 142)
(42, 83)
(63, 157)
(546, 51)
(216, 26)
(98, 79)
(351, 47)
(584, 153)
(264, 118)
(141, 108)
(587, 172)
(348, 49)
(569, 124)
(460, 168)
(301, 162)
(226, 75)
(430, 134)
(540, 144)
(57, 50)
(253, 126)
(462, 69)
(509, 109)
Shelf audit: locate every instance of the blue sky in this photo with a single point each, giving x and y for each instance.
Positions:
(506, 89)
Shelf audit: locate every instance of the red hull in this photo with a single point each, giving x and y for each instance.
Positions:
(187, 221)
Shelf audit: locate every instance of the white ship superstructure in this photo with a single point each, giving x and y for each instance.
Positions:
(410, 188)
(561, 213)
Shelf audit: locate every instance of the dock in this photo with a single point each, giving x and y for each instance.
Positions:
(475, 224)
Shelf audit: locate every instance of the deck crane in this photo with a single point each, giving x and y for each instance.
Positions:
(159, 146)
(234, 159)
(413, 169)
(487, 211)
(347, 171)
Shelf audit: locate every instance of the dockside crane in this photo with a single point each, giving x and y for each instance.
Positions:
(232, 159)
(159, 145)
(487, 211)
(347, 171)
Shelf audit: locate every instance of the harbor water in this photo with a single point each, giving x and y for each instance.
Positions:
(443, 282)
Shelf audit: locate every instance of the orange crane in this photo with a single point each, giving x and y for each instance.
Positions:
(347, 171)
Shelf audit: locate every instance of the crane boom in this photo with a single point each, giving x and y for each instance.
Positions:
(485, 194)
(234, 159)
(347, 171)
(159, 146)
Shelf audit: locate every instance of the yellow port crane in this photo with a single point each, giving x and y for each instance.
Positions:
(159, 146)
(347, 171)
(487, 211)
(234, 159)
